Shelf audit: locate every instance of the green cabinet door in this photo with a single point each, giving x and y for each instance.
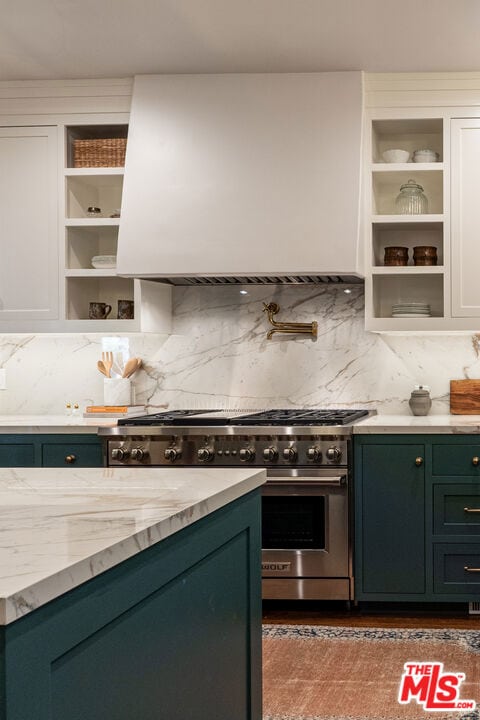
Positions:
(390, 520)
(72, 451)
(17, 451)
(31, 450)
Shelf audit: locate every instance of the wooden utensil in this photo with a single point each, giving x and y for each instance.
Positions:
(131, 366)
(107, 358)
(465, 397)
(101, 367)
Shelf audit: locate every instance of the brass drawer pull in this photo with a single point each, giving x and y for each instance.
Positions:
(467, 509)
(469, 569)
(70, 459)
(418, 461)
(476, 460)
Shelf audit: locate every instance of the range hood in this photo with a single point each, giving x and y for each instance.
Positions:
(239, 178)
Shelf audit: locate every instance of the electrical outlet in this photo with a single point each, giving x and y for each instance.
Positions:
(3, 379)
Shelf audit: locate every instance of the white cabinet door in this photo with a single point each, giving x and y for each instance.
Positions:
(28, 224)
(465, 217)
(243, 174)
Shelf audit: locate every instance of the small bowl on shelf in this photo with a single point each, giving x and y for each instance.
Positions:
(425, 156)
(104, 262)
(395, 155)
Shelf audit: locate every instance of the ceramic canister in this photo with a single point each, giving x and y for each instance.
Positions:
(420, 401)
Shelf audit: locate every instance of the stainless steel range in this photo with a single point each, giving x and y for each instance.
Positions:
(306, 519)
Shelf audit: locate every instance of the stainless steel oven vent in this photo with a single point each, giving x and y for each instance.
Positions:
(265, 280)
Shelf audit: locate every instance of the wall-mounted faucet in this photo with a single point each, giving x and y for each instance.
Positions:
(289, 328)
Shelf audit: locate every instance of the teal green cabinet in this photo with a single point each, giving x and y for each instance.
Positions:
(47, 450)
(173, 633)
(74, 451)
(389, 519)
(417, 518)
(17, 451)
(455, 487)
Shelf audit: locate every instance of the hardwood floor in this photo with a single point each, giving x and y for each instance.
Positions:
(405, 615)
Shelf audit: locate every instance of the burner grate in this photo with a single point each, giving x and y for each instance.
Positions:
(272, 418)
(302, 417)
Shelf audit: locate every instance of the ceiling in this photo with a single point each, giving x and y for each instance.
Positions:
(54, 39)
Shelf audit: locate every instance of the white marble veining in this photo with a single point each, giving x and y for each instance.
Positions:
(428, 424)
(61, 529)
(218, 356)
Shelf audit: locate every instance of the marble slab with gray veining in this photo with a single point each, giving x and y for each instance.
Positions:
(428, 424)
(218, 356)
(59, 529)
(52, 424)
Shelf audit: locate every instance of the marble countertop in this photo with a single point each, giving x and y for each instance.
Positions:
(64, 424)
(27, 424)
(60, 529)
(428, 424)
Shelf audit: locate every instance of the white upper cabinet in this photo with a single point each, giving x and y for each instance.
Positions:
(28, 224)
(465, 177)
(243, 174)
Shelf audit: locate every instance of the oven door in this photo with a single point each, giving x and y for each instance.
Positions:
(305, 526)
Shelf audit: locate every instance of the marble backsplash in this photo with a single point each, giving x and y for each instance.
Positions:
(218, 355)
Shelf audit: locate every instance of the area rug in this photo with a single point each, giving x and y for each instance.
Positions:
(344, 673)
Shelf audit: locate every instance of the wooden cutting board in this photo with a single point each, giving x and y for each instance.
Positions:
(465, 397)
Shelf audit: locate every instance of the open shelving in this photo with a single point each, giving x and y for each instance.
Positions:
(388, 285)
(87, 236)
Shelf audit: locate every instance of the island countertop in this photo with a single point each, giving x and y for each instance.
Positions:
(61, 529)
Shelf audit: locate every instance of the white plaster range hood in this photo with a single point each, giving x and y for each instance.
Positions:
(243, 176)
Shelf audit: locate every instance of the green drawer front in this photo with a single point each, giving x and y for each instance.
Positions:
(17, 455)
(456, 460)
(456, 509)
(450, 575)
(83, 454)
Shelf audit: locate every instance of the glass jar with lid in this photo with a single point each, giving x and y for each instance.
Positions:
(411, 199)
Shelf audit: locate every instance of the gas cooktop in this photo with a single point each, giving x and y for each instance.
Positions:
(268, 418)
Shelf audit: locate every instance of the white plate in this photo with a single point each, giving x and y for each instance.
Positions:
(411, 315)
(411, 305)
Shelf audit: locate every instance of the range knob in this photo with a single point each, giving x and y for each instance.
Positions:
(120, 454)
(270, 454)
(334, 454)
(290, 454)
(139, 453)
(247, 454)
(172, 454)
(314, 453)
(205, 454)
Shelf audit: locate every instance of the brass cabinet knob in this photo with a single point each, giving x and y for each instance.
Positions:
(70, 459)
(418, 461)
(475, 460)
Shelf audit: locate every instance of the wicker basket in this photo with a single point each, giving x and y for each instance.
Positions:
(101, 152)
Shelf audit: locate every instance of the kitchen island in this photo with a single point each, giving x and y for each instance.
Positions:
(130, 594)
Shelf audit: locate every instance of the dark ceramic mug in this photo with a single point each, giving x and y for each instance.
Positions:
(99, 310)
(125, 310)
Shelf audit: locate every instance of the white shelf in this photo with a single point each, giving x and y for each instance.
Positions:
(422, 325)
(92, 222)
(407, 167)
(90, 272)
(408, 270)
(102, 326)
(406, 219)
(94, 171)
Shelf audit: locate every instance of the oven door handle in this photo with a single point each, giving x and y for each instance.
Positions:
(334, 481)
